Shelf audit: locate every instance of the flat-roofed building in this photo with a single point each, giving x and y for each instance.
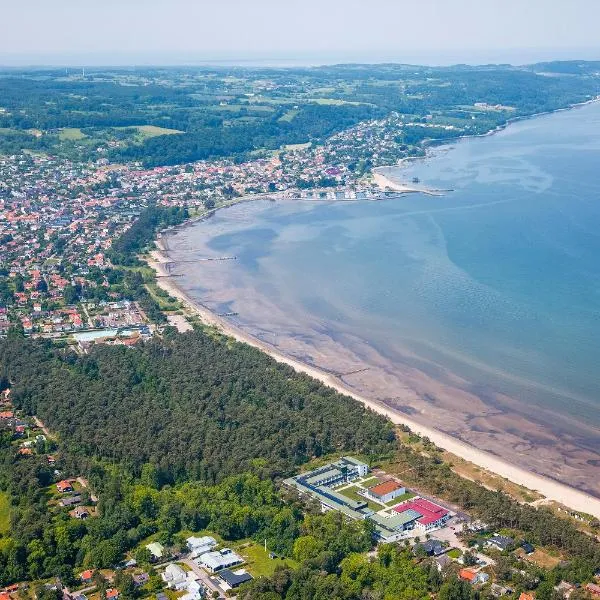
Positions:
(219, 560)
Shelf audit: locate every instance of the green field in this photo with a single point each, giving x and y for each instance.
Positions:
(4, 513)
(369, 482)
(258, 562)
(289, 116)
(71, 134)
(454, 553)
(399, 499)
(150, 131)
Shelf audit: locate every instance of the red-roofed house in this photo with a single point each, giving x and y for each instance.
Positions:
(64, 486)
(86, 576)
(467, 575)
(112, 594)
(593, 589)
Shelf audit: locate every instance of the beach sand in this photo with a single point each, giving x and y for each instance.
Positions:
(366, 386)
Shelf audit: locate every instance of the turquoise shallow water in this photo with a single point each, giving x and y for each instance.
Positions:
(497, 281)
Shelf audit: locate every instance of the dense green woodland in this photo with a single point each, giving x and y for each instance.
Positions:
(236, 111)
(195, 406)
(192, 432)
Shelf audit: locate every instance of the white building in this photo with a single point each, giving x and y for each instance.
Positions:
(174, 576)
(200, 545)
(219, 560)
(386, 491)
(194, 590)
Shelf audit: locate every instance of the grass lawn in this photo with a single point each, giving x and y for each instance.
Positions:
(454, 553)
(4, 513)
(71, 134)
(352, 493)
(369, 482)
(400, 499)
(258, 562)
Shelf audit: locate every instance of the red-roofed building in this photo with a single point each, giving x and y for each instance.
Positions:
(467, 575)
(112, 594)
(432, 515)
(86, 576)
(386, 491)
(64, 486)
(593, 589)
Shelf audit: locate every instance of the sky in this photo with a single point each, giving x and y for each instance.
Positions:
(88, 32)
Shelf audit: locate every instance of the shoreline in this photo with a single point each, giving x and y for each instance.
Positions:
(551, 489)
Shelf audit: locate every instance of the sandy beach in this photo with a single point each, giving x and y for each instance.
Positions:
(549, 488)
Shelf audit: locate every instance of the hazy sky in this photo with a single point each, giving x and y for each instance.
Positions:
(188, 31)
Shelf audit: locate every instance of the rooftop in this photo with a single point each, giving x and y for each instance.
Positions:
(381, 489)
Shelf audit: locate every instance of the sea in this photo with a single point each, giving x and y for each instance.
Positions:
(493, 286)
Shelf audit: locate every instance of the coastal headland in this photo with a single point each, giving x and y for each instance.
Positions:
(551, 489)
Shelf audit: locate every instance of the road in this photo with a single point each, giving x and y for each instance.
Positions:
(203, 576)
(41, 425)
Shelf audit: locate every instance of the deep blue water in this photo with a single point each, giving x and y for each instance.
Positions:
(498, 280)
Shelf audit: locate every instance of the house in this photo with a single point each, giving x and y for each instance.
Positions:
(112, 594)
(80, 512)
(141, 579)
(500, 542)
(156, 549)
(467, 575)
(200, 545)
(64, 486)
(194, 588)
(430, 547)
(499, 590)
(473, 577)
(593, 589)
(86, 576)
(217, 561)
(174, 576)
(233, 580)
(565, 589)
(70, 500)
(525, 596)
(527, 547)
(442, 561)
(386, 491)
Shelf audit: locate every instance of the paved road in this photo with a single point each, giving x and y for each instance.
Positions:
(202, 575)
